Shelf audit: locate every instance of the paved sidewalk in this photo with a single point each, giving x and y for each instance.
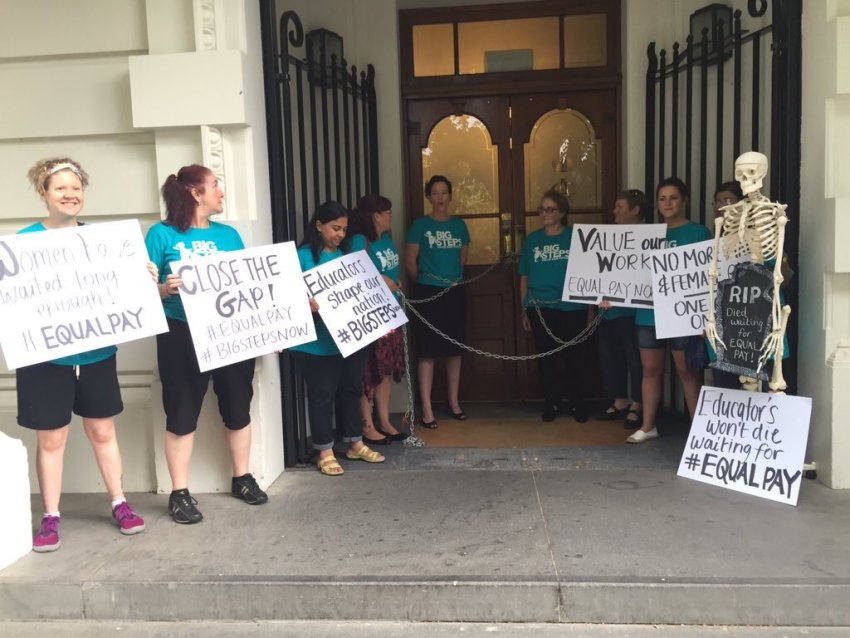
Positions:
(568, 535)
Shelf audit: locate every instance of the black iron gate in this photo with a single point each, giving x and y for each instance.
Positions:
(696, 127)
(321, 122)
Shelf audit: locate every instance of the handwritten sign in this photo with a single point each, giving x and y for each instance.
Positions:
(244, 303)
(354, 301)
(680, 287)
(750, 442)
(71, 290)
(611, 263)
(743, 311)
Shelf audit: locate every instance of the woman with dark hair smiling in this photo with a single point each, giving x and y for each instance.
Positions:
(370, 228)
(192, 197)
(435, 255)
(332, 380)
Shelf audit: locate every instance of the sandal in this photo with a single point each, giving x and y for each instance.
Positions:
(365, 454)
(632, 423)
(429, 425)
(329, 466)
(613, 413)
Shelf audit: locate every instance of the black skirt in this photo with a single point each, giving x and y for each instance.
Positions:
(447, 313)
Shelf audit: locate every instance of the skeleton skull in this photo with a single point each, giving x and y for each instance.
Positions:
(750, 169)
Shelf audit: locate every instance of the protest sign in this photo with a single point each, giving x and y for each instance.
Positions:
(743, 310)
(244, 303)
(611, 263)
(751, 442)
(354, 301)
(680, 288)
(71, 290)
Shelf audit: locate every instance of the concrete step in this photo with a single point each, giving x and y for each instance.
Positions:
(367, 629)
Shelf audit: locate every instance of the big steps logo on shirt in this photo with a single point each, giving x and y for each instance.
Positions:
(552, 252)
(199, 248)
(388, 258)
(442, 239)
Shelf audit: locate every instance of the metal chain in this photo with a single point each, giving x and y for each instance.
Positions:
(508, 258)
(409, 414)
(579, 338)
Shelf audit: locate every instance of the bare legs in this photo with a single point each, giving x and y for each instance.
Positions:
(653, 376)
(425, 368)
(178, 453)
(50, 455)
(381, 397)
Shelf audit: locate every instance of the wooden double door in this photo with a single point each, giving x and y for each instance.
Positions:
(501, 154)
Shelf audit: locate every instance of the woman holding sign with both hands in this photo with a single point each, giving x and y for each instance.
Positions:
(85, 384)
(671, 197)
(331, 378)
(192, 197)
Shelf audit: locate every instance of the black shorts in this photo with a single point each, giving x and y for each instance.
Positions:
(49, 393)
(184, 385)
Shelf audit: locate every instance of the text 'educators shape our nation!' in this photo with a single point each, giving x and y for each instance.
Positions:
(751, 442)
(245, 303)
(611, 263)
(354, 301)
(71, 290)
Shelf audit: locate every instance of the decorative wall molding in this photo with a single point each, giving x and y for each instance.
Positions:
(206, 33)
(212, 143)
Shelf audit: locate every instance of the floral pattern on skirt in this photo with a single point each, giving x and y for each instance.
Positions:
(385, 359)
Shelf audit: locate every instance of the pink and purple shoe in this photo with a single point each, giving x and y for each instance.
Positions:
(128, 521)
(46, 539)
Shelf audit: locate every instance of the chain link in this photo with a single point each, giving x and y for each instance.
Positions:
(507, 259)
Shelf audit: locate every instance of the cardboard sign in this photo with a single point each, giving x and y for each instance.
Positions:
(680, 287)
(743, 315)
(354, 301)
(244, 303)
(750, 442)
(71, 290)
(610, 262)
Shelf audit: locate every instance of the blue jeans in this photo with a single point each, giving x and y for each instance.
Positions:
(333, 382)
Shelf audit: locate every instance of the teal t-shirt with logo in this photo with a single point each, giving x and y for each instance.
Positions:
(81, 358)
(167, 243)
(324, 345)
(689, 233)
(440, 244)
(382, 252)
(544, 261)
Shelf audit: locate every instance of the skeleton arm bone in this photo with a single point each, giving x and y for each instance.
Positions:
(713, 272)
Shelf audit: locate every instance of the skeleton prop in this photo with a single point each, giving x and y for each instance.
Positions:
(755, 226)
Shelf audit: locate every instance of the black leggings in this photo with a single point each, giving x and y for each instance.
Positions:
(565, 326)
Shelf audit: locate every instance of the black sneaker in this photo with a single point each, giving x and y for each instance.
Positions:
(246, 488)
(549, 413)
(579, 413)
(181, 504)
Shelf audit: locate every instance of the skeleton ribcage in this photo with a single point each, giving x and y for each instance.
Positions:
(753, 233)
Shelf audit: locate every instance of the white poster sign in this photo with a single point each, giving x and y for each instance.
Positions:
(610, 262)
(71, 290)
(354, 301)
(680, 287)
(244, 303)
(751, 442)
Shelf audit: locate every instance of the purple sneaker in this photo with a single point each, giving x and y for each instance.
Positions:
(127, 519)
(47, 537)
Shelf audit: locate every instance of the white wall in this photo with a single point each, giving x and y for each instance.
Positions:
(72, 82)
(824, 236)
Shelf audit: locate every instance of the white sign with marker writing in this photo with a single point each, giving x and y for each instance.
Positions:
(244, 303)
(71, 290)
(354, 301)
(610, 262)
(751, 442)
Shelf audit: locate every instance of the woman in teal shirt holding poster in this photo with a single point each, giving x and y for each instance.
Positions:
(435, 254)
(542, 269)
(671, 197)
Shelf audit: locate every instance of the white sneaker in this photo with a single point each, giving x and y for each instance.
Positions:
(640, 436)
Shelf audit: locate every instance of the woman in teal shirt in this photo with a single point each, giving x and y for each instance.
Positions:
(370, 228)
(671, 197)
(542, 269)
(435, 254)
